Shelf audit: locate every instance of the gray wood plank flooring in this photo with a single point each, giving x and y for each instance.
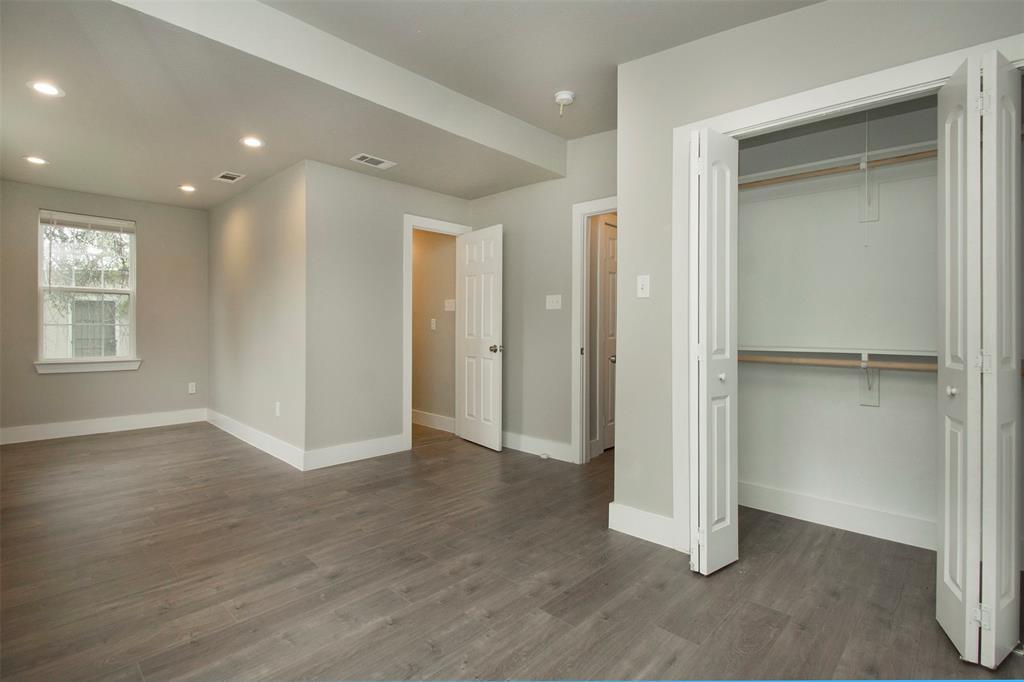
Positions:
(183, 553)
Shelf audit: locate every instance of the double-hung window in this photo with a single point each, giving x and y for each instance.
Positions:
(86, 293)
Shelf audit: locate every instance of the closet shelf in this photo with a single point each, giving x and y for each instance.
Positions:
(836, 170)
(852, 363)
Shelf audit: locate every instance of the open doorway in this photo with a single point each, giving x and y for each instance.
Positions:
(602, 271)
(433, 336)
(428, 329)
(594, 353)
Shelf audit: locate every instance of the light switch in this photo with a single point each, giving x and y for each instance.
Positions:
(433, 324)
(553, 302)
(191, 388)
(449, 305)
(643, 286)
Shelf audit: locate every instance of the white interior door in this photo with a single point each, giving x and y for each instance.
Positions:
(713, 324)
(607, 256)
(478, 345)
(1001, 420)
(959, 381)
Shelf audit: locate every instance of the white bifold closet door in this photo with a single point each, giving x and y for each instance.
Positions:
(958, 560)
(478, 344)
(713, 324)
(1001, 425)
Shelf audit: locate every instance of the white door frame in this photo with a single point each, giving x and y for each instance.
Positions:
(581, 213)
(414, 222)
(899, 83)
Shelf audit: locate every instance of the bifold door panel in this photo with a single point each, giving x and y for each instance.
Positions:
(714, 173)
(1001, 377)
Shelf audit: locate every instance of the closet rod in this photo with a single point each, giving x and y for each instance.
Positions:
(838, 362)
(836, 170)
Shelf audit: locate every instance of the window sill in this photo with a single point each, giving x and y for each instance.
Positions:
(75, 366)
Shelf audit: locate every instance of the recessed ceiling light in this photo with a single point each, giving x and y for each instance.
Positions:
(187, 188)
(251, 141)
(46, 88)
(38, 161)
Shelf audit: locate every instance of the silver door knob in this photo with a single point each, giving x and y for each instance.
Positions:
(951, 391)
(721, 377)
(612, 359)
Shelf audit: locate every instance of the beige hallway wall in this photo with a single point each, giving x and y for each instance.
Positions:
(433, 350)
(171, 312)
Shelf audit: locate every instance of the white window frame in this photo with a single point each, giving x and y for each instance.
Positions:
(45, 365)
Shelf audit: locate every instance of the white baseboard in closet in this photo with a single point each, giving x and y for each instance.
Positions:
(539, 446)
(877, 523)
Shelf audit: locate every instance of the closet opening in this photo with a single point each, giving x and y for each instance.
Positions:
(837, 270)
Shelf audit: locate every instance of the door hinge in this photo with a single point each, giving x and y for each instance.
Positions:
(702, 536)
(581, 351)
(702, 166)
(983, 363)
(983, 104)
(982, 616)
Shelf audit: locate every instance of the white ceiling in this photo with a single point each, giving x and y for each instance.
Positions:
(514, 54)
(150, 106)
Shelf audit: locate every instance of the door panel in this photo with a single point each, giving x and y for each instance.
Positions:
(959, 384)
(1000, 154)
(479, 349)
(716, 160)
(608, 273)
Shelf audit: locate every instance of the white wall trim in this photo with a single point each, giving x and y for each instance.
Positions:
(284, 451)
(434, 421)
(542, 447)
(578, 314)
(644, 525)
(85, 427)
(351, 452)
(410, 223)
(909, 530)
(895, 84)
(78, 366)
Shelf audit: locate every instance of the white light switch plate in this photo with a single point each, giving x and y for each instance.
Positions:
(553, 302)
(643, 286)
(433, 324)
(449, 305)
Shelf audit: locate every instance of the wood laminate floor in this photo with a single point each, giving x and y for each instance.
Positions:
(183, 553)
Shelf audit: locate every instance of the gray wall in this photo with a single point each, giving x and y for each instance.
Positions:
(433, 350)
(171, 312)
(354, 300)
(782, 55)
(538, 257)
(258, 306)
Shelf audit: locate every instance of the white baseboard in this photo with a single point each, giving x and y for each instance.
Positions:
(352, 452)
(540, 447)
(644, 525)
(85, 427)
(434, 421)
(286, 452)
(909, 530)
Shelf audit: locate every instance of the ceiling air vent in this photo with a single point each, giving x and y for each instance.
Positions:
(229, 177)
(373, 161)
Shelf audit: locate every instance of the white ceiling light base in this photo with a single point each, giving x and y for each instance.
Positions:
(564, 98)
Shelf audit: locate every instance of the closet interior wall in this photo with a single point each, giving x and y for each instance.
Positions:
(833, 265)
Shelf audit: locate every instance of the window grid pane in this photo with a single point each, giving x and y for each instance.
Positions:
(85, 324)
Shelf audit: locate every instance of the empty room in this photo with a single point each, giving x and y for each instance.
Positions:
(511, 339)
